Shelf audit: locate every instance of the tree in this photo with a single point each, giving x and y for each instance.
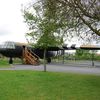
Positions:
(82, 54)
(82, 17)
(43, 28)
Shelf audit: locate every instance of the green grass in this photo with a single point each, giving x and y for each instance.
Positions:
(30, 85)
(4, 62)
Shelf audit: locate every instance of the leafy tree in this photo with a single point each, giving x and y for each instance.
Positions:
(43, 27)
(85, 54)
(82, 54)
(82, 17)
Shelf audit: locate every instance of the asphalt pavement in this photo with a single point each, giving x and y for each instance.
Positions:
(59, 67)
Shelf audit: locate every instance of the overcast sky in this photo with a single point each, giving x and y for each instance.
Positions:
(12, 26)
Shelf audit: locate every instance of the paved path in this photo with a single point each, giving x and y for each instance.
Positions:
(58, 68)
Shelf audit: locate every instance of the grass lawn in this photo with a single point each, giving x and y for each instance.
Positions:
(33, 85)
(4, 63)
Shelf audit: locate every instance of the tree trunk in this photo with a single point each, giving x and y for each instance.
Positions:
(44, 60)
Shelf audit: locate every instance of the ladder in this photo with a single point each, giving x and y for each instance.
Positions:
(29, 57)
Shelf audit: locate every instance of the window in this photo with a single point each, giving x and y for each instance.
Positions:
(9, 45)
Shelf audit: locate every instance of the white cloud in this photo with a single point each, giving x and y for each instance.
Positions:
(12, 26)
